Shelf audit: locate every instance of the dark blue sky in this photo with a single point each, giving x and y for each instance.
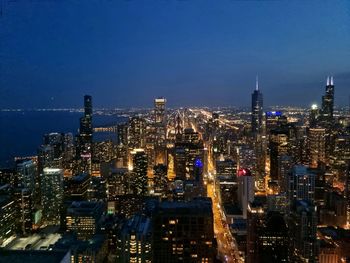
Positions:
(125, 53)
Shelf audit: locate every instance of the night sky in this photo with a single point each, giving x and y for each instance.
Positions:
(125, 53)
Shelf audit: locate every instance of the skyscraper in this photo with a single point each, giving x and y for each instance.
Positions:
(347, 192)
(183, 232)
(303, 228)
(278, 145)
(160, 132)
(275, 120)
(135, 240)
(246, 189)
(7, 216)
(226, 167)
(257, 110)
(314, 115)
(136, 132)
(84, 149)
(189, 156)
(83, 218)
(76, 187)
(301, 184)
(86, 121)
(255, 219)
(24, 203)
(159, 110)
(328, 102)
(267, 237)
(122, 134)
(316, 146)
(327, 120)
(140, 179)
(160, 180)
(26, 170)
(52, 195)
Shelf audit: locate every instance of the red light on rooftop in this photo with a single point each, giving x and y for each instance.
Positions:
(244, 172)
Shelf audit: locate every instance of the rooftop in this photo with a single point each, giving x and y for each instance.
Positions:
(196, 206)
(85, 208)
(71, 242)
(34, 256)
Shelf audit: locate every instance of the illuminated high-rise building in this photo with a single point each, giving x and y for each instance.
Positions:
(56, 141)
(52, 195)
(8, 176)
(227, 188)
(268, 237)
(159, 133)
(178, 125)
(25, 195)
(159, 110)
(189, 156)
(26, 170)
(25, 209)
(160, 180)
(136, 132)
(246, 191)
(327, 118)
(76, 187)
(85, 130)
(301, 184)
(139, 178)
(180, 163)
(316, 146)
(257, 110)
(226, 167)
(46, 157)
(68, 147)
(314, 116)
(7, 217)
(274, 120)
(303, 229)
(184, 232)
(122, 134)
(255, 219)
(83, 218)
(274, 239)
(56, 151)
(278, 145)
(84, 148)
(347, 192)
(341, 154)
(118, 183)
(328, 102)
(135, 240)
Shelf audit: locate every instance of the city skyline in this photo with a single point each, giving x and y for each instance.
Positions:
(175, 131)
(126, 53)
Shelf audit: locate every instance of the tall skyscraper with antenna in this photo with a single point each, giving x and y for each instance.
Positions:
(328, 102)
(257, 110)
(84, 149)
(327, 120)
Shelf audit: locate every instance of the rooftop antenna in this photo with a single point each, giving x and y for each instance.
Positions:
(257, 83)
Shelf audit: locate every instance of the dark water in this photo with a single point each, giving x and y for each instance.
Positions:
(21, 132)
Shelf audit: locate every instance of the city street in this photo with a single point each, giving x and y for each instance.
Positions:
(226, 248)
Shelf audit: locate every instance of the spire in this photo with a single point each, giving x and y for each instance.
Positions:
(327, 80)
(257, 83)
(332, 81)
